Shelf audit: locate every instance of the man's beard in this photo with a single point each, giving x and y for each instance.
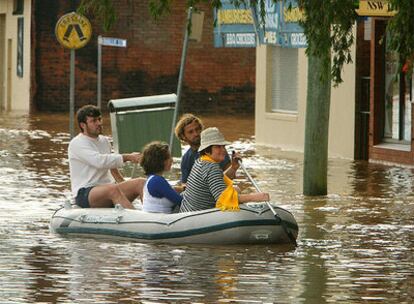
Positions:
(96, 132)
(196, 142)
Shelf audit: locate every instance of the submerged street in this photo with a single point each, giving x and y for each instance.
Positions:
(355, 245)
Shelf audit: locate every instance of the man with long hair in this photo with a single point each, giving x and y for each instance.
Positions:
(188, 130)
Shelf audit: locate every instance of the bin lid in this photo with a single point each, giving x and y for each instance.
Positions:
(145, 102)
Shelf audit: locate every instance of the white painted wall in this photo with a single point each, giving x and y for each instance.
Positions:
(286, 131)
(20, 86)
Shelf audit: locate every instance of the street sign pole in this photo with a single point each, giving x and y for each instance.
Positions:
(180, 76)
(99, 76)
(72, 94)
(73, 31)
(108, 41)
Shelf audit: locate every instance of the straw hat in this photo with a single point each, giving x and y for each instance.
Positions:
(212, 136)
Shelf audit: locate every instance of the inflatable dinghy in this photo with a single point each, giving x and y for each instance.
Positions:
(255, 223)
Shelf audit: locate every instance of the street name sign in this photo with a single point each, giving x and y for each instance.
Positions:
(109, 41)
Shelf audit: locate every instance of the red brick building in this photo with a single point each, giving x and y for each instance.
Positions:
(215, 78)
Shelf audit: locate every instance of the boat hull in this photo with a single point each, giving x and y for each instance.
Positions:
(253, 224)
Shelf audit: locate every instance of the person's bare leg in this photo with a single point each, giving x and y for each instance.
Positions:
(105, 196)
(133, 188)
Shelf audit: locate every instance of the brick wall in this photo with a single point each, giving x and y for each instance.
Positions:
(216, 79)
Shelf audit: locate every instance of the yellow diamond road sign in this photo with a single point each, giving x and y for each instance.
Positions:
(73, 31)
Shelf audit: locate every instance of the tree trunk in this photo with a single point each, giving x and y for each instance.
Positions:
(318, 100)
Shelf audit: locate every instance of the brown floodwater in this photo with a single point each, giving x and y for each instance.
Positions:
(356, 245)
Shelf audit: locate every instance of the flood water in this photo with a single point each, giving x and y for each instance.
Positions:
(355, 245)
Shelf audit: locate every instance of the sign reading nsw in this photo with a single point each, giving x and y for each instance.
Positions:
(73, 31)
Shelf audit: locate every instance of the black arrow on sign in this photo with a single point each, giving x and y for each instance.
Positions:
(78, 31)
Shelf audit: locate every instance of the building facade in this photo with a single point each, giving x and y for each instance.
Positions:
(281, 88)
(215, 80)
(15, 55)
(391, 98)
(371, 111)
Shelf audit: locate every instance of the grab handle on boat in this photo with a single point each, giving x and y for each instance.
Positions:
(277, 217)
(67, 204)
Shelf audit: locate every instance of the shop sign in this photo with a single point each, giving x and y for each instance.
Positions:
(290, 33)
(375, 8)
(234, 26)
(240, 27)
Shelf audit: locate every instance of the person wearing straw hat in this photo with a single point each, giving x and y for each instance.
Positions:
(188, 130)
(207, 186)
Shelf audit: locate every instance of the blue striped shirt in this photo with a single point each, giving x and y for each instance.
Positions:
(204, 186)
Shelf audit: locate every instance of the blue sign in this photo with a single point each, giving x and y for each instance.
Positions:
(269, 30)
(290, 33)
(234, 26)
(242, 26)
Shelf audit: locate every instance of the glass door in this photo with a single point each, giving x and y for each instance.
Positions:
(398, 97)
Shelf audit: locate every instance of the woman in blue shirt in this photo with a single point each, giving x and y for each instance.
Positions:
(159, 196)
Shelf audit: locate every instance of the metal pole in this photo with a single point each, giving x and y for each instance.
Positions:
(256, 186)
(72, 94)
(99, 72)
(255, 24)
(276, 215)
(181, 76)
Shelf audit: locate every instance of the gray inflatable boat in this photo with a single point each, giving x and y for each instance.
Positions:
(255, 223)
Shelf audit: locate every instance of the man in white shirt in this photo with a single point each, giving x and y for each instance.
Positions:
(95, 179)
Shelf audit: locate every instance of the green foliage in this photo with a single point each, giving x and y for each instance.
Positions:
(328, 30)
(158, 8)
(102, 8)
(401, 27)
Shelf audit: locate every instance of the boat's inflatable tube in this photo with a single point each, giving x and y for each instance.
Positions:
(253, 224)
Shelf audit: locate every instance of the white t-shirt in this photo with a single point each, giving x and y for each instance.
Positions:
(90, 160)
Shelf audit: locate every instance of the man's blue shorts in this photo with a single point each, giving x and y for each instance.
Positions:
(82, 197)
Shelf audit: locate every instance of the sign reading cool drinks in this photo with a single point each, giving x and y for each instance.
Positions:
(240, 26)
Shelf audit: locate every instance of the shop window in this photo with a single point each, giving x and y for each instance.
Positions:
(398, 98)
(284, 80)
(20, 38)
(18, 7)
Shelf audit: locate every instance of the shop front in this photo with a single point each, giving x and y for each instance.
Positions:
(15, 55)
(390, 91)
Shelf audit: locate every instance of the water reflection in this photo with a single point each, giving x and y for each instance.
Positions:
(45, 266)
(314, 237)
(355, 245)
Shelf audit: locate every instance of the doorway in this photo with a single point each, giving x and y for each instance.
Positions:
(9, 75)
(2, 59)
(392, 95)
(362, 88)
